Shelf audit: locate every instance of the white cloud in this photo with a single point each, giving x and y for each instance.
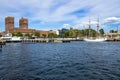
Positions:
(91, 23)
(57, 11)
(114, 20)
(67, 26)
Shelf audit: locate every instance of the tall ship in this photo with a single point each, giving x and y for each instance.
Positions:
(98, 38)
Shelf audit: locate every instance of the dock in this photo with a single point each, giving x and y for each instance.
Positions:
(47, 40)
(113, 39)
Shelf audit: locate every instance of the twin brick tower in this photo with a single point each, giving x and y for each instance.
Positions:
(9, 24)
(23, 27)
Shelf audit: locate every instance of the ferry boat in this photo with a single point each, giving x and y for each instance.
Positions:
(11, 39)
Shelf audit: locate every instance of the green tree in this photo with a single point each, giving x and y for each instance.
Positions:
(13, 34)
(62, 32)
(74, 33)
(37, 34)
(112, 31)
(44, 35)
(52, 35)
(80, 33)
(71, 33)
(91, 34)
(63, 35)
(68, 33)
(101, 32)
(28, 35)
(19, 34)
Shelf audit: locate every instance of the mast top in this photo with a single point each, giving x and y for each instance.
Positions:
(89, 22)
(98, 24)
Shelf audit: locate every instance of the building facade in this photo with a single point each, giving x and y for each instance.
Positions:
(23, 27)
(23, 23)
(9, 24)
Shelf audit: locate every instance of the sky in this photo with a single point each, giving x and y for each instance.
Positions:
(58, 14)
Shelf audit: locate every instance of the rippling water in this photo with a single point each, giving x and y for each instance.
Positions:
(60, 61)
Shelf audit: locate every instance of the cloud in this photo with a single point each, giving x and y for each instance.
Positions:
(91, 23)
(51, 11)
(67, 26)
(113, 20)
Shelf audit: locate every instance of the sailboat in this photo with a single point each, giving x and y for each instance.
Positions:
(98, 39)
(95, 40)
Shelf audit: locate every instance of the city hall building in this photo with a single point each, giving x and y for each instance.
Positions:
(23, 27)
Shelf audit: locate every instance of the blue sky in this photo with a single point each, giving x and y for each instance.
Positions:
(57, 14)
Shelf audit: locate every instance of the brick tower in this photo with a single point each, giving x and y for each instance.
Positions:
(23, 23)
(9, 24)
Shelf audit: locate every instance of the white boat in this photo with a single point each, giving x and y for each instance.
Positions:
(95, 40)
(11, 39)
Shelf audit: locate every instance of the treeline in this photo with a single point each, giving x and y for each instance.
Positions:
(36, 34)
(113, 31)
(73, 33)
(63, 33)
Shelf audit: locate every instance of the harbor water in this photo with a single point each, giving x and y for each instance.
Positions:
(60, 61)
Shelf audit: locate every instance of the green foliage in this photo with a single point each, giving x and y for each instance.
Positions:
(18, 34)
(44, 35)
(90, 32)
(62, 32)
(13, 34)
(101, 32)
(37, 34)
(112, 31)
(52, 35)
(68, 33)
(28, 35)
(74, 33)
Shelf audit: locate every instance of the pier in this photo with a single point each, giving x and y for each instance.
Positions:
(55, 40)
(113, 39)
(49, 40)
(113, 36)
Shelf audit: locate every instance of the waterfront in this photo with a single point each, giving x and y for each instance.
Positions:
(76, 60)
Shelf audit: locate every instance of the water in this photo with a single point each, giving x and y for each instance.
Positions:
(60, 61)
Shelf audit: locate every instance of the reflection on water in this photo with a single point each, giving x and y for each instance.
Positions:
(60, 61)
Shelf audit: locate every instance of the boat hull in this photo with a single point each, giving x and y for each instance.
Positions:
(95, 40)
(12, 39)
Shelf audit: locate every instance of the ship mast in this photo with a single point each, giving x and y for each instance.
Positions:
(89, 26)
(98, 27)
